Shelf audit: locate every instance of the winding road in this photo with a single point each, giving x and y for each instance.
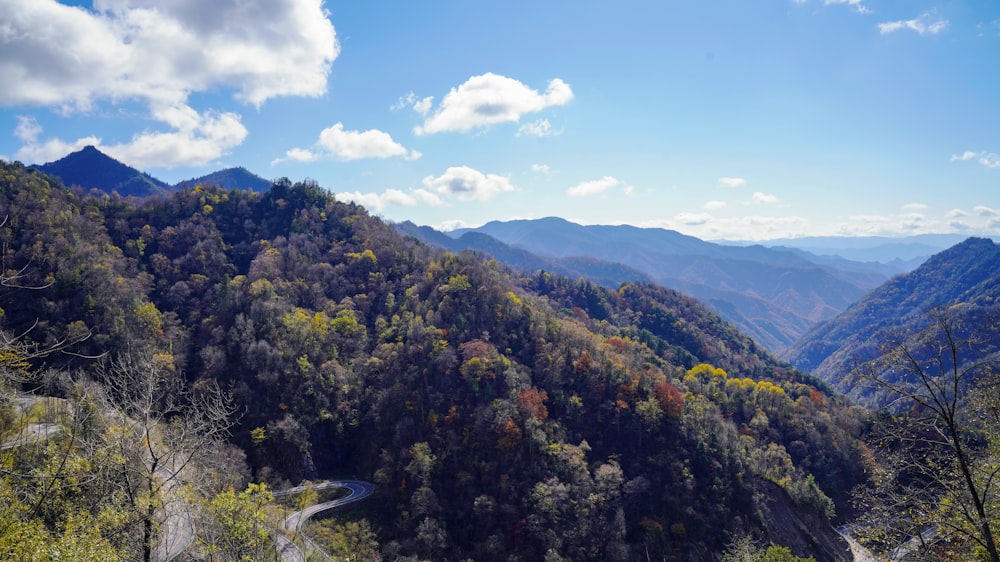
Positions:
(289, 552)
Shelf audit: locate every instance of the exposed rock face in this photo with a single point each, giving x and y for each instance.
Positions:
(802, 530)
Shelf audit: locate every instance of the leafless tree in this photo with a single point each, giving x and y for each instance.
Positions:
(935, 473)
(159, 430)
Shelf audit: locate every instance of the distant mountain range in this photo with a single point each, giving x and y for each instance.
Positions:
(967, 273)
(908, 250)
(771, 294)
(92, 169)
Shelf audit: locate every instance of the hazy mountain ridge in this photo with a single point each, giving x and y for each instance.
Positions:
(605, 273)
(772, 294)
(968, 273)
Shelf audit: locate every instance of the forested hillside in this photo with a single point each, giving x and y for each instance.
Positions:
(502, 417)
(966, 274)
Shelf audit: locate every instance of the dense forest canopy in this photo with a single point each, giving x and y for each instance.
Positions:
(502, 416)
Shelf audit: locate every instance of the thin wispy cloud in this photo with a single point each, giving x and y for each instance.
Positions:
(593, 187)
(761, 198)
(858, 5)
(988, 159)
(927, 24)
(540, 128)
(732, 182)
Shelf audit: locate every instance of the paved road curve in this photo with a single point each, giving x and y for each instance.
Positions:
(357, 490)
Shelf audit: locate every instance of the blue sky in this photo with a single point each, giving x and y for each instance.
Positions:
(738, 119)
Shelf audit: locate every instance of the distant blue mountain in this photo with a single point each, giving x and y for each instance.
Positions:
(92, 169)
(774, 295)
(230, 178)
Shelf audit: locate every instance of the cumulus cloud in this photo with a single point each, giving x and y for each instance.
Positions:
(489, 99)
(161, 51)
(540, 128)
(540, 168)
(467, 184)
(340, 144)
(732, 182)
(856, 4)
(195, 139)
(158, 53)
(985, 211)
(379, 201)
(714, 205)
(956, 214)
(593, 187)
(988, 159)
(53, 149)
(763, 198)
(927, 24)
(460, 182)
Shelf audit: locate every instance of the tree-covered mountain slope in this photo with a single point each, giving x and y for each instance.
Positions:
(772, 294)
(92, 169)
(230, 178)
(535, 417)
(967, 273)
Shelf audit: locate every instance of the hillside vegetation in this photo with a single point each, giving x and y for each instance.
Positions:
(966, 274)
(502, 417)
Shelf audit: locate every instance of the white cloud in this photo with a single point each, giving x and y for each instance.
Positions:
(195, 139)
(714, 205)
(856, 4)
(355, 145)
(753, 227)
(58, 55)
(985, 211)
(449, 225)
(584, 189)
(420, 105)
(692, 219)
(540, 128)
(732, 182)
(298, 155)
(763, 198)
(541, 168)
(956, 213)
(988, 159)
(53, 149)
(489, 99)
(467, 184)
(27, 129)
(914, 207)
(927, 24)
(158, 54)
(335, 142)
(379, 201)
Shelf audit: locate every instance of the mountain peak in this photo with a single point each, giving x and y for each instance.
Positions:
(90, 168)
